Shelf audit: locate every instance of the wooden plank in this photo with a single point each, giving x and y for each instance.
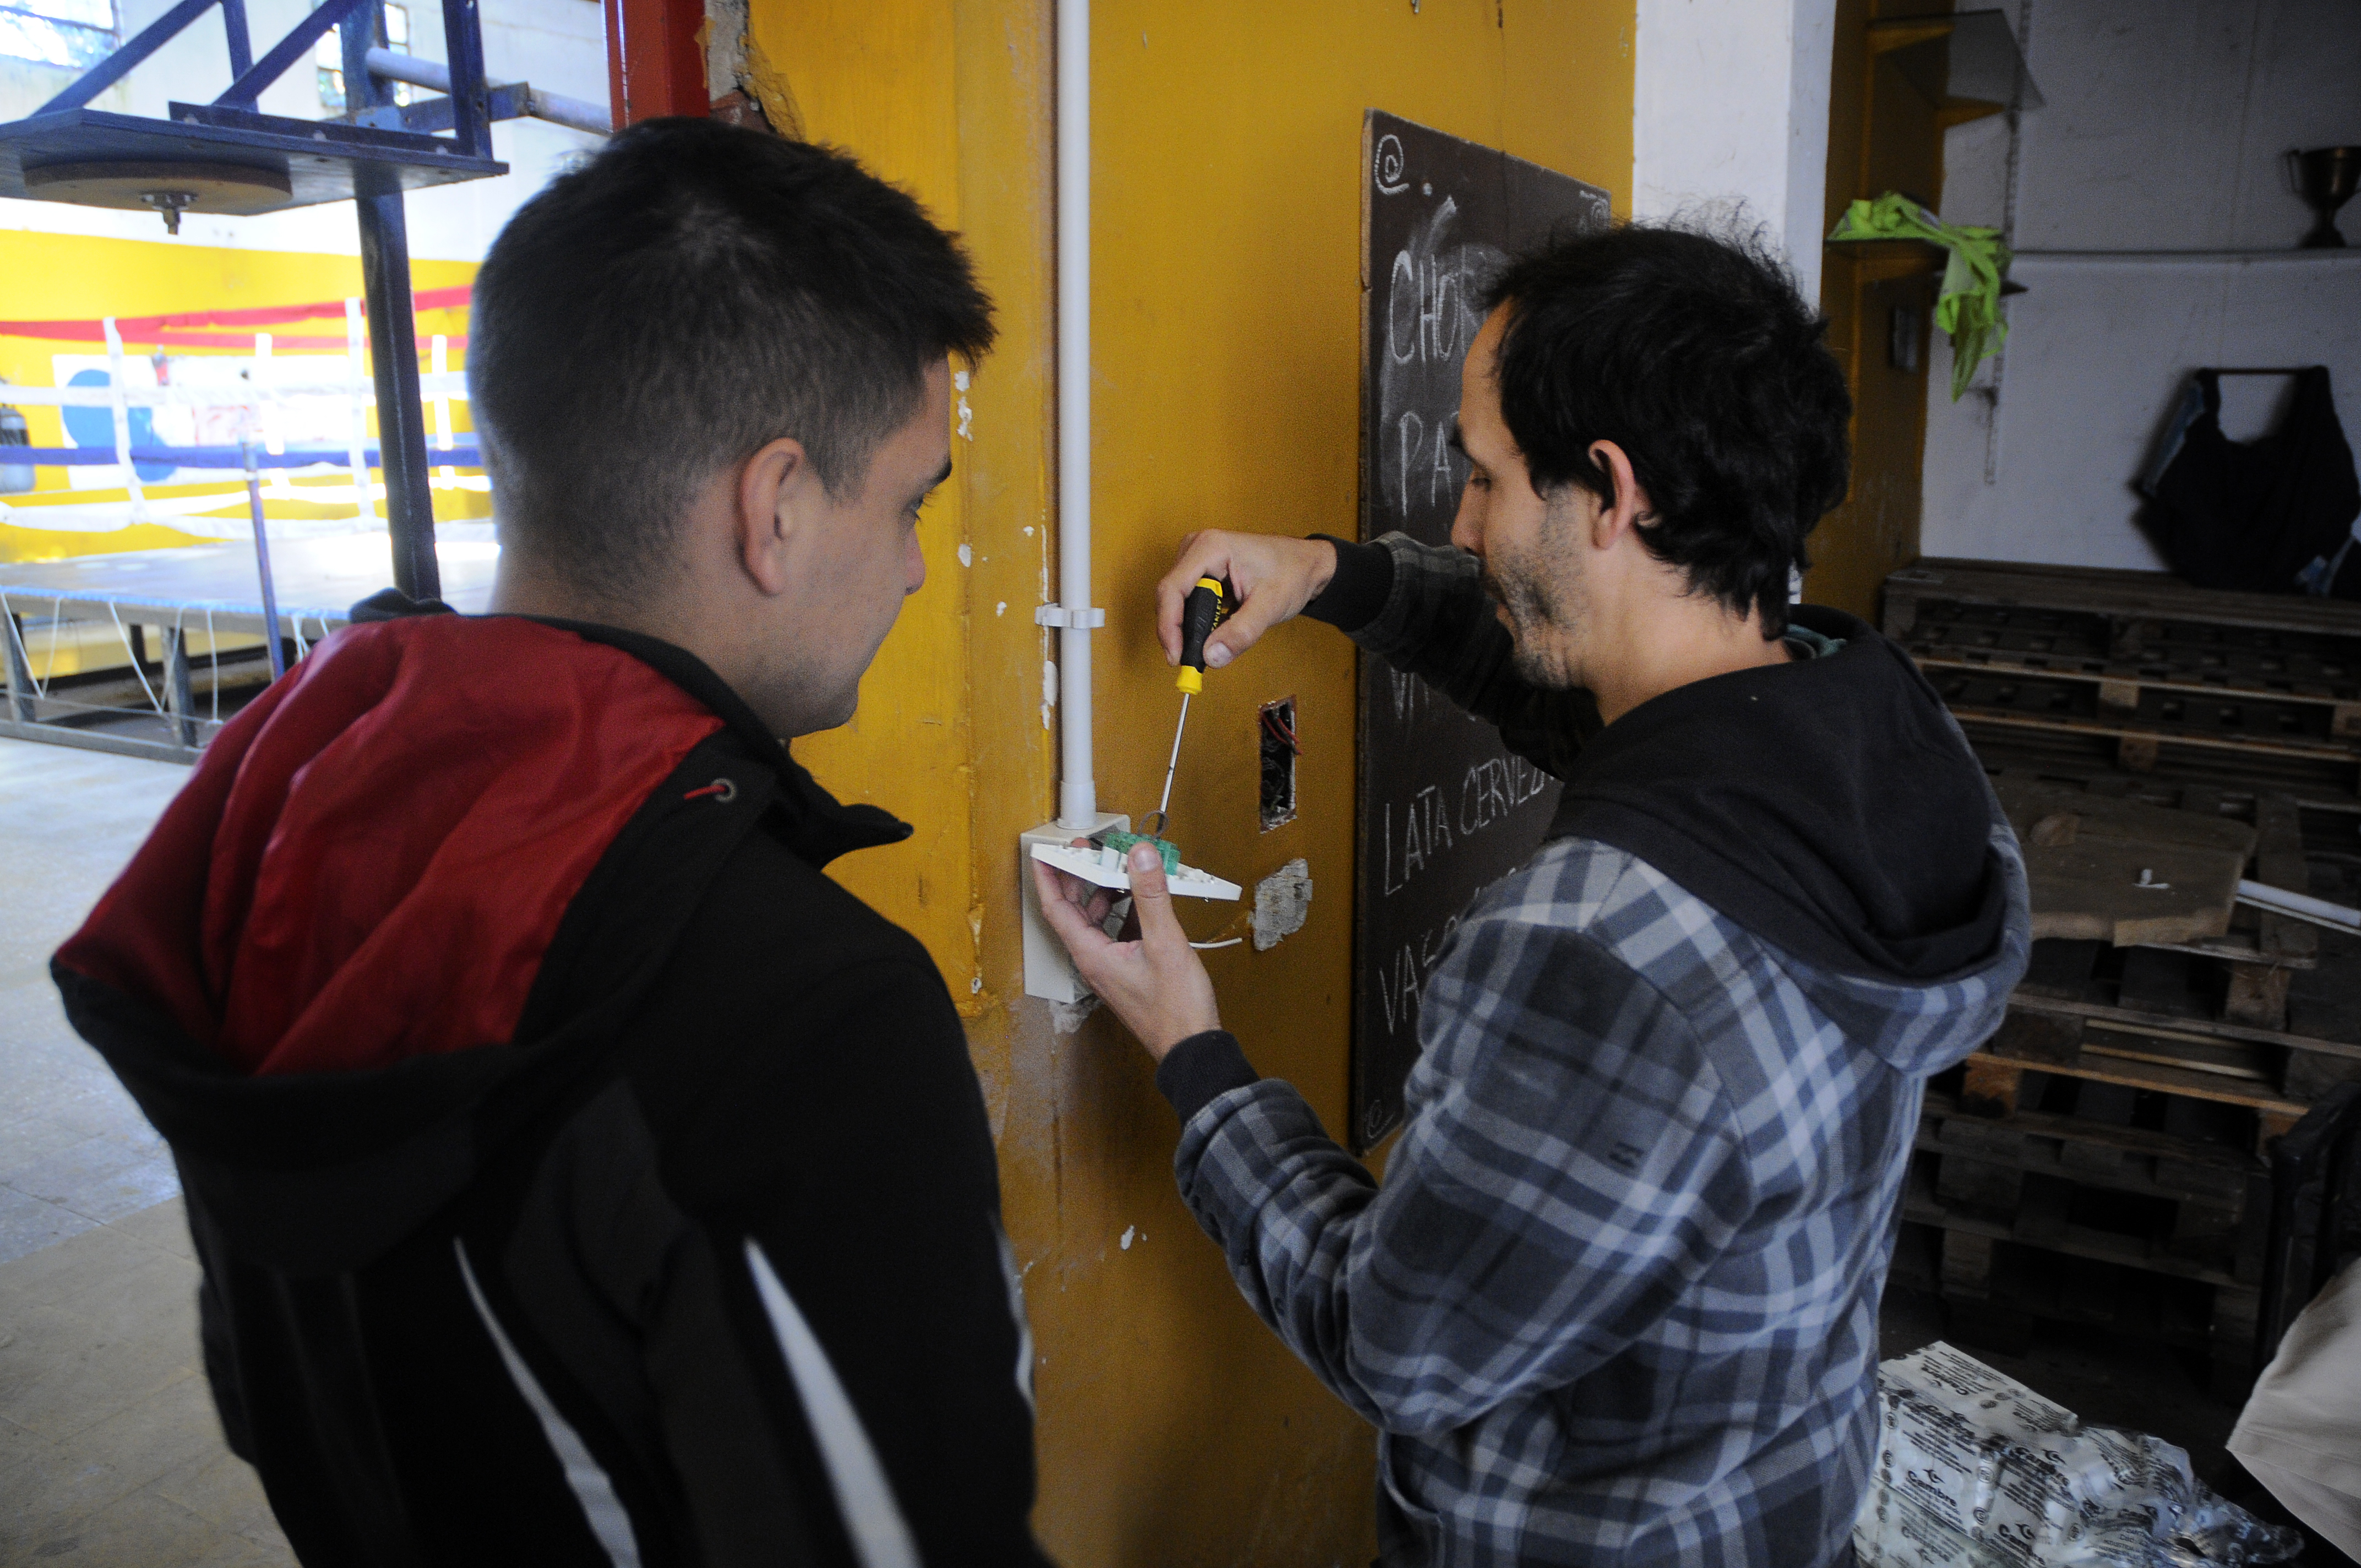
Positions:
(2238, 949)
(2000, 1140)
(1920, 1207)
(2041, 1211)
(2028, 801)
(2308, 1077)
(2224, 1184)
(2000, 1074)
(2278, 843)
(2126, 893)
(2258, 996)
(2067, 969)
(2158, 980)
(2149, 595)
(2205, 1234)
(2183, 1028)
(2033, 1037)
(1943, 1129)
(2146, 741)
(2224, 1058)
(1978, 1186)
(1990, 1085)
(2319, 785)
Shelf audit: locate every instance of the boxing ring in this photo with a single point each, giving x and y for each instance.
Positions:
(180, 636)
(172, 609)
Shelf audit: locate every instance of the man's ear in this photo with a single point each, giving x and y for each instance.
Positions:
(1630, 506)
(776, 495)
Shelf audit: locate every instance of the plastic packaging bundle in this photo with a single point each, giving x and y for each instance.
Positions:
(1975, 1470)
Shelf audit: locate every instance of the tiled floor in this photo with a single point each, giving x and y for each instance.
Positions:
(109, 1449)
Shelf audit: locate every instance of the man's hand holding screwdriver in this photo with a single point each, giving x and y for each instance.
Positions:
(1275, 576)
(1156, 982)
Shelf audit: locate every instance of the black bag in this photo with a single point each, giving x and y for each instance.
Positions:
(2273, 515)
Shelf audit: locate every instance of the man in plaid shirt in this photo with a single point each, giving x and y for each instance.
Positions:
(1616, 1301)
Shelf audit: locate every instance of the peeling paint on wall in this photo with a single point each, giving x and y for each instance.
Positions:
(1282, 903)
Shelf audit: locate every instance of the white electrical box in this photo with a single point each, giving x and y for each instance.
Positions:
(1048, 972)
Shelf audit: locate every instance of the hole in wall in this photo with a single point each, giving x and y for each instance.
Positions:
(1278, 747)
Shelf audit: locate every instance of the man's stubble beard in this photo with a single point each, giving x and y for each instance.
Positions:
(1539, 593)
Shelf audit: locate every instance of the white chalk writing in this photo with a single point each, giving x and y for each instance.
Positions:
(1403, 974)
(1429, 823)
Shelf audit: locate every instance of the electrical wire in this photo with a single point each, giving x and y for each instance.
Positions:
(1280, 731)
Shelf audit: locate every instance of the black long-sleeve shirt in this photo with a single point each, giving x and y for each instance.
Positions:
(694, 1256)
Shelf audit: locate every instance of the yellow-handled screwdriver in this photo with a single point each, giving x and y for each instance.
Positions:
(1203, 610)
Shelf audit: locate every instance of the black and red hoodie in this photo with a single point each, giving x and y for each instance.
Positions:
(579, 1176)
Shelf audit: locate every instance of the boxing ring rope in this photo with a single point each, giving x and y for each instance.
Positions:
(176, 584)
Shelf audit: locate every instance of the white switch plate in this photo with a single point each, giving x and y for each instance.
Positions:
(1107, 870)
(1048, 972)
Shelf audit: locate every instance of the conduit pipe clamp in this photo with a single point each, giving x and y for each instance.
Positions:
(1058, 615)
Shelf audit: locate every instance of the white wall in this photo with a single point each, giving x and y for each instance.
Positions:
(1731, 106)
(2164, 128)
(558, 45)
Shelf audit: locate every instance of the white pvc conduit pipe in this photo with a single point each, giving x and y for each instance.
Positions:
(1078, 801)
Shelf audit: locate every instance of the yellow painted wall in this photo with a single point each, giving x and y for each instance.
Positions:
(72, 277)
(1883, 135)
(1174, 1428)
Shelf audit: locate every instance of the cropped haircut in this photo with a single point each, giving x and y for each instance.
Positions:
(1697, 356)
(689, 295)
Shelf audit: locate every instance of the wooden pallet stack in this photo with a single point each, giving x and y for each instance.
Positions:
(2101, 1161)
(2089, 668)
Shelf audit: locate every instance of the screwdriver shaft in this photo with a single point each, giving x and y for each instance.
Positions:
(1164, 804)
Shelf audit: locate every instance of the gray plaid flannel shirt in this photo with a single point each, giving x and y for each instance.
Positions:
(1616, 1301)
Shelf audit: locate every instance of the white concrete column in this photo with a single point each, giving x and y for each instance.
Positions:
(1730, 107)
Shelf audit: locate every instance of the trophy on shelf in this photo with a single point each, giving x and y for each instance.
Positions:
(2324, 178)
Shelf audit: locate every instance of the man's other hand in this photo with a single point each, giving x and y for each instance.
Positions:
(1275, 576)
(1157, 983)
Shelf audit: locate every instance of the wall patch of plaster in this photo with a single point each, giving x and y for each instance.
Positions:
(745, 87)
(1066, 1017)
(1130, 1235)
(1282, 903)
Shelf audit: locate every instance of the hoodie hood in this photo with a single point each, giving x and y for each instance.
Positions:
(399, 894)
(1833, 808)
(372, 869)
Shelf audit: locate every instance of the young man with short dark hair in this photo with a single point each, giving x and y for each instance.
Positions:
(580, 1175)
(1616, 1299)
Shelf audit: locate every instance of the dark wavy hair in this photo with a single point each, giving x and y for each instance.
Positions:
(1696, 355)
(689, 295)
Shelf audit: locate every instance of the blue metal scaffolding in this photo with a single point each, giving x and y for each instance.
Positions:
(229, 156)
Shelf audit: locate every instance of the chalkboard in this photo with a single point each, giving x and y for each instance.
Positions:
(1444, 808)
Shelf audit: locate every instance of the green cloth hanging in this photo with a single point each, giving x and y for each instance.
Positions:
(1968, 307)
